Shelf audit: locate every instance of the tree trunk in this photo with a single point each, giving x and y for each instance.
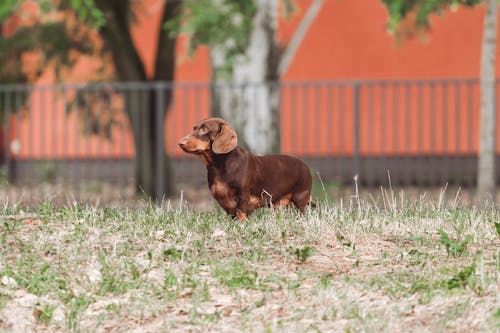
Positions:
(251, 104)
(152, 167)
(486, 166)
(146, 116)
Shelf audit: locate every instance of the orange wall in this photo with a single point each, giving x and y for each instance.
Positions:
(347, 40)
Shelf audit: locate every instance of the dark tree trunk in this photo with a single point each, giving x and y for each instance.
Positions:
(148, 118)
(153, 174)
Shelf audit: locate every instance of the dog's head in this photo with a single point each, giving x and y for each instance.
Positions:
(210, 135)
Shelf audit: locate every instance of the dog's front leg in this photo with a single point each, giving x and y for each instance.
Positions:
(244, 207)
(240, 216)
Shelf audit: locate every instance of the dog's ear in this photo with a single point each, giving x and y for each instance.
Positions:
(225, 141)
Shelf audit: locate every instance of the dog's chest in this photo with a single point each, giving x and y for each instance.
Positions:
(223, 194)
(219, 189)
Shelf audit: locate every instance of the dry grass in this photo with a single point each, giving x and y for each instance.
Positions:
(365, 263)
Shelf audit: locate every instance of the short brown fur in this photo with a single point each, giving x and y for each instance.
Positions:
(241, 181)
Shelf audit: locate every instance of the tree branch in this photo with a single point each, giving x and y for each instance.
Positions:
(165, 53)
(116, 34)
(298, 36)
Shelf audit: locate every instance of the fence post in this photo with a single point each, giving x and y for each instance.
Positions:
(160, 88)
(356, 112)
(7, 137)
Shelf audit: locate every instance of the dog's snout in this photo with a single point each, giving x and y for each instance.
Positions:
(183, 143)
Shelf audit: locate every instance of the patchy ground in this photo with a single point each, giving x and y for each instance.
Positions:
(363, 265)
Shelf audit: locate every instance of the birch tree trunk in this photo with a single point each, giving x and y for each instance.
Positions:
(250, 97)
(244, 99)
(486, 166)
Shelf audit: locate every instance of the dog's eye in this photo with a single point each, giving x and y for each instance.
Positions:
(203, 131)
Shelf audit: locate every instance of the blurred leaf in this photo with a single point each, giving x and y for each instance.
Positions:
(7, 7)
(399, 10)
(226, 24)
(88, 12)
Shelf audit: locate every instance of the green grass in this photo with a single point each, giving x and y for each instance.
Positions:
(364, 265)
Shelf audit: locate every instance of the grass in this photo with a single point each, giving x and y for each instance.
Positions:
(371, 265)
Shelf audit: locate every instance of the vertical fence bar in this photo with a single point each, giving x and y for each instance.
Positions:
(460, 171)
(445, 157)
(407, 129)
(470, 130)
(80, 124)
(142, 131)
(125, 116)
(305, 111)
(341, 143)
(382, 128)
(420, 137)
(87, 149)
(302, 113)
(394, 159)
(135, 127)
(6, 141)
(197, 107)
(433, 129)
(64, 137)
(184, 107)
(128, 157)
(19, 105)
(357, 139)
(42, 162)
(317, 131)
(186, 163)
(329, 125)
(293, 117)
(77, 161)
(160, 91)
(68, 151)
(100, 135)
(370, 135)
(52, 151)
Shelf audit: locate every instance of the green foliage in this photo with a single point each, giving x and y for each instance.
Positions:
(7, 7)
(226, 24)
(85, 9)
(422, 9)
(172, 254)
(52, 38)
(303, 253)
(496, 317)
(465, 278)
(77, 306)
(88, 12)
(454, 248)
(235, 275)
(45, 314)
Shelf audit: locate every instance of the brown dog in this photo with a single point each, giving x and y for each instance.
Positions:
(242, 182)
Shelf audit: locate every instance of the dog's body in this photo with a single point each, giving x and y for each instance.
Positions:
(242, 182)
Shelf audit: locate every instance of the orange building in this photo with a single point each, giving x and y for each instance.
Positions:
(347, 41)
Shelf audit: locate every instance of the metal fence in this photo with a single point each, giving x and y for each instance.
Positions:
(76, 142)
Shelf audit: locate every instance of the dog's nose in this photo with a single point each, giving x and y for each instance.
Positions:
(182, 143)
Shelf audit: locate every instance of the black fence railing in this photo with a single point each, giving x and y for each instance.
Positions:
(81, 142)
